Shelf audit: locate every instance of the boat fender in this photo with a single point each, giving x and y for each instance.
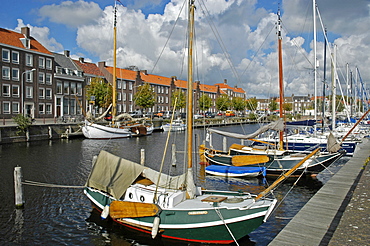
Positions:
(155, 227)
(105, 212)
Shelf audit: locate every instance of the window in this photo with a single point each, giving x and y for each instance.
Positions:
(29, 92)
(130, 97)
(130, 86)
(6, 90)
(124, 96)
(15, 74)
(6, 55)
(124, 85)
(48, 108)
(48, 93)
(41, 108)
(48, 79)
(15, 57)
(119, 96)
(29, 60)
(41, 78)
(73, 88)
(166, 90)
(6, 107)
(41, 62)
(59, 88)
(42, 93)
(79, 89)
(48, 64)
(15, 107)
(119, 84)
(6, 73)
(29, 77)
(15, 90)
(66, 88)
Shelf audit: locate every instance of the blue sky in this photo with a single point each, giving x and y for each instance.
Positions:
(246, 28)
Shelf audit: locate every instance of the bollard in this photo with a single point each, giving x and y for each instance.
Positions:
(142, 157)
(224, 144)
(3, 121)
(173, 155)
(18, 189)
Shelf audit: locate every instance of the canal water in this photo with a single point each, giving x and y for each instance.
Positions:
(64, 216)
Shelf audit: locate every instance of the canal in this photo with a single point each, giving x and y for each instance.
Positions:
(64, 216)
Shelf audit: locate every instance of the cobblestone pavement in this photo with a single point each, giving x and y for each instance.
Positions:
(354, 226)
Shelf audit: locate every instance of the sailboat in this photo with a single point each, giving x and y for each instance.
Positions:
(173, 207)
(115, 129)
(276, 161)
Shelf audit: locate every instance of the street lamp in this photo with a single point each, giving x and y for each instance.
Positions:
(22, 85)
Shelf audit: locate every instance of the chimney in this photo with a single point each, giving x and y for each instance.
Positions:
(225, 81)
(81, 59)
(144, 72)
(26, 31)
(66, 53)
(174, 78)
(101, 64)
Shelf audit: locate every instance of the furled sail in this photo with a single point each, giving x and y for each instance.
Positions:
(276, 126)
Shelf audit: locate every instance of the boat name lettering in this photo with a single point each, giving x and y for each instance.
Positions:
(197, 212)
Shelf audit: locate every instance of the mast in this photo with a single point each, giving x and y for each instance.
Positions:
(324, 85)
(333, 86)
(189, 113)
(114, 82)
(315, 62)
(281, 85)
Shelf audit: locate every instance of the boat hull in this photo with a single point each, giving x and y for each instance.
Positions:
(279, 165)
(96, 131)
(202, 225)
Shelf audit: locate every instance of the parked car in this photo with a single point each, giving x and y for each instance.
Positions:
(229, 113)
(198, 116)
(136, 114)
(108, 117)
(209, 115)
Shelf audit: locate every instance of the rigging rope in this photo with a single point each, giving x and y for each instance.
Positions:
(218, 212)
(28, 182)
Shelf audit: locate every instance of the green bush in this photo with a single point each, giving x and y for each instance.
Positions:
(23, 123)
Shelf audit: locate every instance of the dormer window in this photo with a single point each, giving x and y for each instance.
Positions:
(26, 42)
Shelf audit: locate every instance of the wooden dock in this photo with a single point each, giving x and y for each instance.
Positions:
(317, 221)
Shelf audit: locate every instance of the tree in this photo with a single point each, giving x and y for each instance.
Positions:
(238, 103)
(252, 104)
(145, 97)
(102, 92)
(205, 102)
(273, 105)
(181, 99)
(287, 107)
(223, 102)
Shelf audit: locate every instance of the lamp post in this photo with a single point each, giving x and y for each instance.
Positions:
(22, 84)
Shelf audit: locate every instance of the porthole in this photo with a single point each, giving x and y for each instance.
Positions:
(130, 195)
(142, 199)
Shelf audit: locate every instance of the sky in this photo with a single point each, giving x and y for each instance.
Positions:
(234, 39)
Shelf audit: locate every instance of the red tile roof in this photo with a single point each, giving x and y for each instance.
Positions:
(89, 68)
(13, 39)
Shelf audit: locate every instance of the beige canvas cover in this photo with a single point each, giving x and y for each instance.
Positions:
(113, 174)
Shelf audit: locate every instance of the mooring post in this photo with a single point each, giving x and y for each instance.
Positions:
(142, 157)
(224, 144)
(173, 155)
(18, 189)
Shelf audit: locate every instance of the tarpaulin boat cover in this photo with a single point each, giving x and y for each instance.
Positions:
(114, 175)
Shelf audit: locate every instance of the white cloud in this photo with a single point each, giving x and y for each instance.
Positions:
(41, 34)
(72, 14)
(248, 35)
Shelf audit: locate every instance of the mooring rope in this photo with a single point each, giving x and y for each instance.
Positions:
(230, 232)
(28, 182)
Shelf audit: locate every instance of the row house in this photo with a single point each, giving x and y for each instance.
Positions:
(26, 77)
(69, 80)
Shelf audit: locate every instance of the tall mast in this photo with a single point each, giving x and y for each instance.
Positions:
(281, 85)
(324, 86)
(114, 82)
(189, 114)
(315, 61)
(333, 85)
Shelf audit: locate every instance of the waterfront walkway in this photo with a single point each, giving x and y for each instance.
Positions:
(339, 213)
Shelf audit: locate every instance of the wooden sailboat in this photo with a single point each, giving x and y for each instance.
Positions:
(172, 206)
(115, 129)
